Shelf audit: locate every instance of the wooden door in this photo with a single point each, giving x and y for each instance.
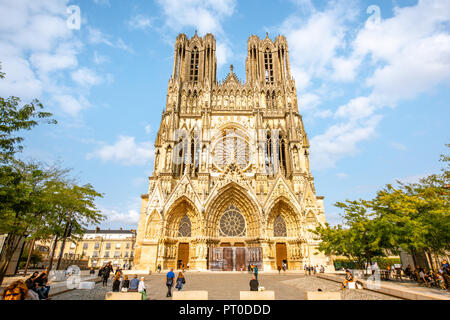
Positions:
(227, 259)
(240, 259)
(281, 254)
(183, 254)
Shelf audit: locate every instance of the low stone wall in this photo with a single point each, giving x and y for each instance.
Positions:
(257, 295)
(123, 296)
(190, 295)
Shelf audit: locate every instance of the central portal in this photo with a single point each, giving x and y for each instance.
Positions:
(234, 258)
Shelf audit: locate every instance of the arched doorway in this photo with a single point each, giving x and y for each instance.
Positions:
(232, 220)
(283, 228)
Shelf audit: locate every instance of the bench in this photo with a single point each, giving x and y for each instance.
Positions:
(123, 296)
(322, 295)
(190, 295)
(257, 295)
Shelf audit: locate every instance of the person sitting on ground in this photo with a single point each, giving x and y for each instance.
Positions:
(125, 284)
(441, 281)
(42, 288)
(180, 281)
(91, 271)
(348, 278)
(116, 282)
(254, 284)
(422, 276)
(134, 283)
(30, 281)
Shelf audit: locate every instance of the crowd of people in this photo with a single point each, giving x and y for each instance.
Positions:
(309, 269)
(429, 278)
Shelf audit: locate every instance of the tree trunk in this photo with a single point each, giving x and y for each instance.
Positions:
(30, 250)
(429, 259)
(52, 254)
(63, 244)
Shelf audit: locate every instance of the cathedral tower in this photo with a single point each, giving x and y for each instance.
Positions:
(231, 184)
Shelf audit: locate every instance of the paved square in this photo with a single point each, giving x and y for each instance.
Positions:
(226, 286)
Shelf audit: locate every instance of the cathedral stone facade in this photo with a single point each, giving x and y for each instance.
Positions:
(231, 184)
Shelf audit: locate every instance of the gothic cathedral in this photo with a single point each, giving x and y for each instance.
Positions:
(231, 184)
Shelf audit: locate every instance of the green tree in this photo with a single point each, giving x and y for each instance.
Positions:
(418, 214)
(362, 237)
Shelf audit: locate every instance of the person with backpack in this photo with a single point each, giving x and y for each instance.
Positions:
(169, 282)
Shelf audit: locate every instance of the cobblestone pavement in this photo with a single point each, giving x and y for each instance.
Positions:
(226, 286)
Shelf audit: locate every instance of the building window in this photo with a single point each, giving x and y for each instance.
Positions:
(268, 66)
(128, 245)
(95, 254)
(279, 227)
(184, 228)
(117, 254)
(72, 245)
(108, 246)
(194, 65)
(106, 254)
(232, 223)
(85, 245)
(97, 245)
(118, 245)
(126, 254)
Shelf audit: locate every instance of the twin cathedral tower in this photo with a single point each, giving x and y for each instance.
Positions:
(231, 184)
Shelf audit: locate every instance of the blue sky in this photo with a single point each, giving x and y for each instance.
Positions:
(373, 89)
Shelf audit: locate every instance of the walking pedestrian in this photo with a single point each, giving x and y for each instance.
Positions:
(142, 288)
(180, 281)
(279, 269)
(106, 272)
(169, 282)
(255, 271)
(159, 268)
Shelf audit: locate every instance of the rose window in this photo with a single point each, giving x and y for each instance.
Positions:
(231, 148)
(232, 223)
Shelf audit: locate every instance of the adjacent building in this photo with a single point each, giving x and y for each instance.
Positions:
(98, 247)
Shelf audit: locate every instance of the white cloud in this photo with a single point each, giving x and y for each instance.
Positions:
(140, 21)
(125, 151)
(205, 16)
(86, 77)
(129, 217)
(148, 129)
(340, 141)
(39, 53)
(71, 105)
(414, 56)
(100, 59)
(405, 55)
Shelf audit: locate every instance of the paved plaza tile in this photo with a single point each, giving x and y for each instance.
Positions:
(226, 286)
